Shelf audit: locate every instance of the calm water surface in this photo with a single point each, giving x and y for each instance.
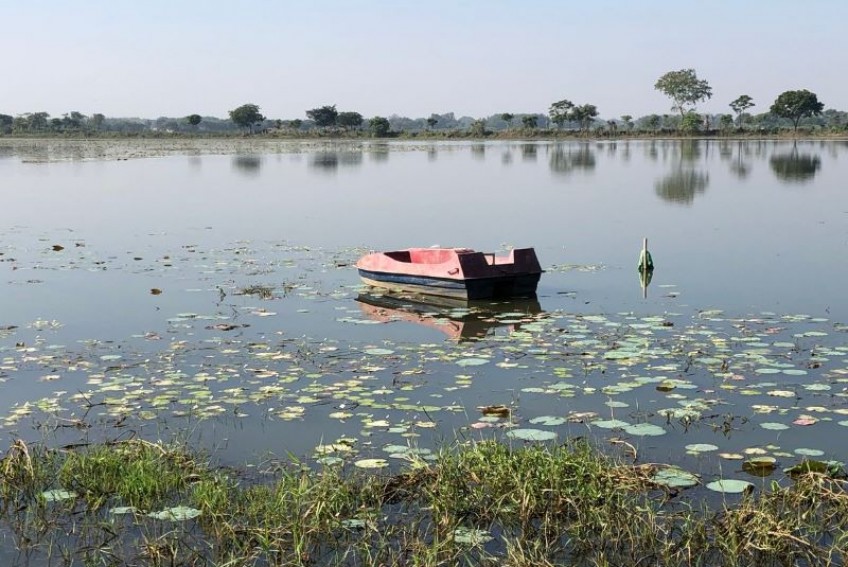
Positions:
(739, 341)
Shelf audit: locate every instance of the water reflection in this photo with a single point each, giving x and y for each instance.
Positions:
(330, 161)
(691, 150)
(247, 164)
(380, 152)
(460, 320)
(529, 152)
(565, 159)
(478, 151)
(681, 185)
(795, 167)
(684, 181)
(741, 167)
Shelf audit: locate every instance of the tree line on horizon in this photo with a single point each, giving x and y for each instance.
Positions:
(790, 109)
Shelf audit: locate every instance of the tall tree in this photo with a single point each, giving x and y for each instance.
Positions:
(6, 123)
(530, 121)
(379, 126)
(559, 111)
(796, 105)
(740, 105)
(324, 116)
(246, 116)
(653, 122)
(507, 117)
(432, 121)
(349, 120)
(584, 115)
(684, 89)
(691, 122)
(628, 121)
(97, 120)
(194, 119)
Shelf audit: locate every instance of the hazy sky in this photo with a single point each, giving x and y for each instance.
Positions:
(151, 58)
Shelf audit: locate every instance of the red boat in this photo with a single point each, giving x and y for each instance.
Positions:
(453, 272)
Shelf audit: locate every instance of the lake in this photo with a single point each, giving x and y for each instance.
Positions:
(205, 290)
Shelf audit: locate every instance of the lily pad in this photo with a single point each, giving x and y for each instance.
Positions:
(531, 434)
(772, 426)
(645, 430)
(760, 466)
(701, 447)
(379, 351)
(674, 477)
(548, 420)
(730, 486)
(472, 361)
(609, 423)
(371, 463)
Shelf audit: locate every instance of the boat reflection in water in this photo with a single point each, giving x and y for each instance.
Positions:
(458, 318)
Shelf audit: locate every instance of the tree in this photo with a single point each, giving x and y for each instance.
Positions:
(559, 111)
(246, 116)
(478, 127)
(349, 119)
(796, 105)
(97, 120)
(740, 105)
(194, 119)
(691, 122)
(324, 116)
(6, 123)
(379, 126)
(530, 121)
(584, 114)
(295, 124)
(684, 89)
(432, 121)
(628, 121)
(507, 117)
(653, 122)
(725, 122)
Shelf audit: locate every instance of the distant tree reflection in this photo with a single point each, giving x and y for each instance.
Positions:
(247, 164)
(529, 152)
(681, 185)
(566, 159)
(325, 161)
(330, 161)
(739, 166)
(795, 167)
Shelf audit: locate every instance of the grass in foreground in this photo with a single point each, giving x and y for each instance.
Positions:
(486, 503)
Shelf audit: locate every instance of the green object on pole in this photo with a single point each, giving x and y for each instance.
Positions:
(645, 260)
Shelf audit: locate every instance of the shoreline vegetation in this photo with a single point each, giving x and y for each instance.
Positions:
(453, 135)
(136, 502)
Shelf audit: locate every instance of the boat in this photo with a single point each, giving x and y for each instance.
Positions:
(461, 320)
(460, 273)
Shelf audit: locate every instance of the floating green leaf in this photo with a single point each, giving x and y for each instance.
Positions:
(674, 477)
(371, 463)
(644, 430)
(531, 434)
(729, 486)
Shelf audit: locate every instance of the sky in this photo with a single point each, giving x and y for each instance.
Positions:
(151, 58)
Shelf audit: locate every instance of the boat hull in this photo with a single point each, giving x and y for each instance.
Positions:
(516, 285)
